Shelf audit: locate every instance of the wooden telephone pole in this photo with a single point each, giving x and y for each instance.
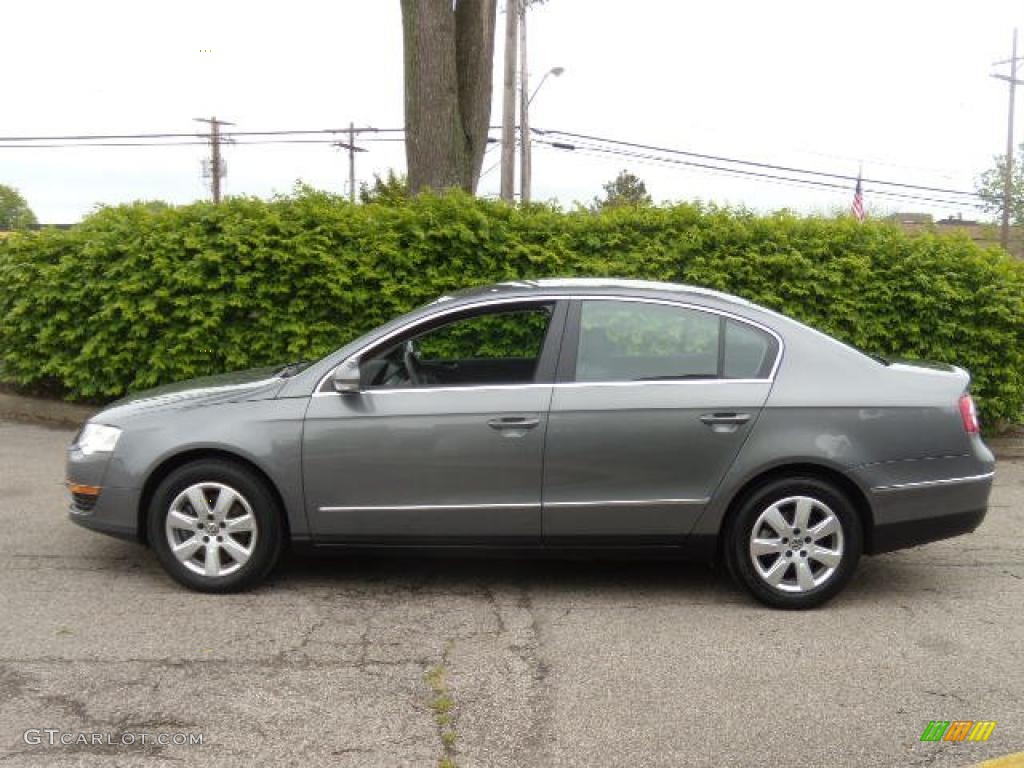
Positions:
(1004, 232)
(525, 158)
(352, 149)
(508, 104)
(216, 160)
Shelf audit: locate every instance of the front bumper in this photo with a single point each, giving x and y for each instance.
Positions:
(112, 514)
(115, 509)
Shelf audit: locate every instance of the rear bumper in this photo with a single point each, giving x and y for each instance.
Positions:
(913, 533)
(911, 514)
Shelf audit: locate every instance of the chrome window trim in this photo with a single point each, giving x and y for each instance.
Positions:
(933, 483)
(424, 390)
(656, 382)
(549, 385)
(451, 310)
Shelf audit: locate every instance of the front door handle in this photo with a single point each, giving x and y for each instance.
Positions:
(513, 422)
(725, 422)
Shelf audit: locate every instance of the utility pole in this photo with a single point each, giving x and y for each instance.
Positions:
(217, 169)
(508, 104)
(351, 162)
(525, 158)
(352, 149)
(1004, 233)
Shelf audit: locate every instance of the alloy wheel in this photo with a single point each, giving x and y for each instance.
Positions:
(796, 544)
(211, 529)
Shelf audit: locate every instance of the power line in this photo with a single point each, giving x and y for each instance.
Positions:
(107, 144)
(755, 176)
(585, 143)
(60, 141)
(599, 151)
(752, 163)
(97, 137)
(261, 142)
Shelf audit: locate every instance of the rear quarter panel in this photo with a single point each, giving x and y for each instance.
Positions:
(832, 407)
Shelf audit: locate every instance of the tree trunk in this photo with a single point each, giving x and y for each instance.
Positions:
(449, 59)
(474, 57)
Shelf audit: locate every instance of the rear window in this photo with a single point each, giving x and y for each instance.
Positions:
(749, 352)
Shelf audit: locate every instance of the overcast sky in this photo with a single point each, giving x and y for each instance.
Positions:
(902, 87)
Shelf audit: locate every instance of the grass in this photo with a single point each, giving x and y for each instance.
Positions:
(442, 704)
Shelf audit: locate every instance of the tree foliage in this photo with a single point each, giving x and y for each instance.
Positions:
(990, 187)
(390, 189)
(137, 296)
(626, 189)
(14, 211)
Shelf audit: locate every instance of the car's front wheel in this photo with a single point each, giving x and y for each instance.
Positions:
(795, 542)
(215, 526)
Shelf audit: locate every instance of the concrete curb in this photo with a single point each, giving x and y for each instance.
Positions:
(1015, 760)
(1007, 447)
(40, 409)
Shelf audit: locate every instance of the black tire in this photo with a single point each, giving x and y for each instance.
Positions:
(788, 593)
(253, 492)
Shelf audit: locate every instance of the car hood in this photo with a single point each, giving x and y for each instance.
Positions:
(252, 384)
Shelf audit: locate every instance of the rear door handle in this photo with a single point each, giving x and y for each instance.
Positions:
(513, 422)
(725, 419)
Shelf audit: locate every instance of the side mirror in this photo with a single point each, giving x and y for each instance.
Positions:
(346, 378)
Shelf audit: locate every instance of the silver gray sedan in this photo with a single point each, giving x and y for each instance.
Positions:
(551, 415)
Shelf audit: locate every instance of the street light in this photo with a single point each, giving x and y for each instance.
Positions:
(556, 71)
(525, 148)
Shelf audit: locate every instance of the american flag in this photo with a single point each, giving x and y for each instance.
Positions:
(857, 209)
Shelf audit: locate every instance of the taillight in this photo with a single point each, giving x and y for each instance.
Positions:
(969, 414)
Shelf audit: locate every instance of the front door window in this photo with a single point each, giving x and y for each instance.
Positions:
(495, 348)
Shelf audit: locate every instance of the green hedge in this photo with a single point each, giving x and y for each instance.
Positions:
(141, 294)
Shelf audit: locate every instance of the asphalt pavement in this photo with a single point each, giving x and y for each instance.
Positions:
(401, 661)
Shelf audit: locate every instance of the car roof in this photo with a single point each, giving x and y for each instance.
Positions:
(601, 285)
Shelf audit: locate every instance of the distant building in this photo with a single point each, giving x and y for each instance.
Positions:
(38, 226)
(910, 218)
(985, 235)
(957, 221)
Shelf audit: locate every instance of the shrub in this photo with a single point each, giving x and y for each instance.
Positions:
(137, 295)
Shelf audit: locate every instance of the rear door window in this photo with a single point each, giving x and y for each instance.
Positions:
(643, 341)
(632, 341)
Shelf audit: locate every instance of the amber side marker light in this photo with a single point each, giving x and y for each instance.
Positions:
(84, 490)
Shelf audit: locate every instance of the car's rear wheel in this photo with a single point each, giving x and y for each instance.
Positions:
(215, 526)
(795, 542)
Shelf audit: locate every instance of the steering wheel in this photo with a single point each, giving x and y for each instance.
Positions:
(412, 363)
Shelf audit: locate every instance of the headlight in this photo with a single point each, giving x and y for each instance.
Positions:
(98, 438)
